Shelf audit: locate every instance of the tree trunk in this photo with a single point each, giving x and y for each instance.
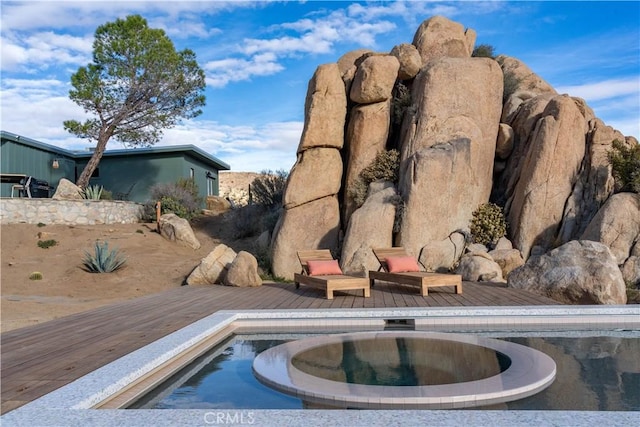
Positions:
(83, 180)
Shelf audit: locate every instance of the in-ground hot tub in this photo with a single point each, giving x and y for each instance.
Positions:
(404, 369)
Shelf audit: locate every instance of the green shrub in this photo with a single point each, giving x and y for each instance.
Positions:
(180, 198)
(46, 244)
(483, 51)
(625, 165)
(383, 168)
(41, 224)
(511, 84)
(106, 195)
(267, 189)
(488, 224)
(36, 275)
(103, 260)
(400, 102)
(92, 192)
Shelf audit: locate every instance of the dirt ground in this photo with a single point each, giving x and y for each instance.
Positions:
(153, 264)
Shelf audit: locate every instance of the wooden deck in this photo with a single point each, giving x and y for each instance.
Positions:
(38, 359)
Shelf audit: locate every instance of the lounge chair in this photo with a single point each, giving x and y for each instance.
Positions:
(320, 270)
(399, 267)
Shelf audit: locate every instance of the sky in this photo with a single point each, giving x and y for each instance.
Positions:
(258, 58)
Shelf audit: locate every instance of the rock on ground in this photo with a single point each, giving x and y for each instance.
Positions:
(578, 272)
(177, 229)
(243, 271)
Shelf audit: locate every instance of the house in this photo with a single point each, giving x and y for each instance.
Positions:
(127, 173)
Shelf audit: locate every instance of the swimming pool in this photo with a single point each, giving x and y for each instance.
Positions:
(75, 403)
(602, 372)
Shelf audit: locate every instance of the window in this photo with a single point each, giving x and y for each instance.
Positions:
(211, 184)
(192, 173)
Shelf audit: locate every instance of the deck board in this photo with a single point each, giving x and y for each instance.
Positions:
(38, 359)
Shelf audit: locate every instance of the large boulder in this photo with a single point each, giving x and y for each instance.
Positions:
(366, 137)
(370, 226)
(443, 255)
(479, 267)
(374, 79)
(549, 172)
(595, 183)
(313, 225)
(440, 37)
(177, 229)
(325, 109)
(578, 272)
(617, 225)
(409, 59)
(504, 144)
(347, 65)
(213, 267)
(243, 272)
(448, 147)
(521, 84)
(217, 205)
(303, 184)
(67, 190)
(507, 259)
(631, 271)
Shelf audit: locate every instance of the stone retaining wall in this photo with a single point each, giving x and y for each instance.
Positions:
(80, 212)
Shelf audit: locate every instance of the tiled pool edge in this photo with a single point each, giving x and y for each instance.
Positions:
(85, 392)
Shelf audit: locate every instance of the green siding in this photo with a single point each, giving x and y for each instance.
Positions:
(33, 161)
(118, 173)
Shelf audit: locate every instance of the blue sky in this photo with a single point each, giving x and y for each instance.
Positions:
(259, 57)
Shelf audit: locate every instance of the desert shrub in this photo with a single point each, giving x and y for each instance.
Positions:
(398, 201)
(625, 165)
(483, 51)
(103, 260)
(252, 220)
(383, 168)
(36, 275)
(91, 192)
(488, 224)
(400, 101)
(46, 244)
(106, 195)
(511, 84)
(267, 189)
(41, 224)
(180, 198)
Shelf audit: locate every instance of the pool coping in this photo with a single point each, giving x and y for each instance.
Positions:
(70, 404)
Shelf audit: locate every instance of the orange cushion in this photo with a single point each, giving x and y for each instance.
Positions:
(323, 268)
(402, 264)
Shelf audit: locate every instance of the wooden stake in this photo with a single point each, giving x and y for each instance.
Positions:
(158, 206)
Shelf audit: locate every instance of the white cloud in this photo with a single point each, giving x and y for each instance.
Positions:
(244, 148)
(221, 72)
(605, 89)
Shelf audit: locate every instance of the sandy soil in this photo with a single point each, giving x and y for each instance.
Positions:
(153, 264)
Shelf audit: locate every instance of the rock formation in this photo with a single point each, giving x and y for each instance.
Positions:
(469, 131)
(213, 268)
(578, 272)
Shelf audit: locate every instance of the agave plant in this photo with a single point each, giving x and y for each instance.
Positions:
(104, 260)
(92, 192)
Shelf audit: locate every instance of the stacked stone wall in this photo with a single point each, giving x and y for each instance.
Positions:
(72, 212)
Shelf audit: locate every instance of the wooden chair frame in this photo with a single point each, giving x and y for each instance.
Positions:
(422, 279)
(328, 283)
